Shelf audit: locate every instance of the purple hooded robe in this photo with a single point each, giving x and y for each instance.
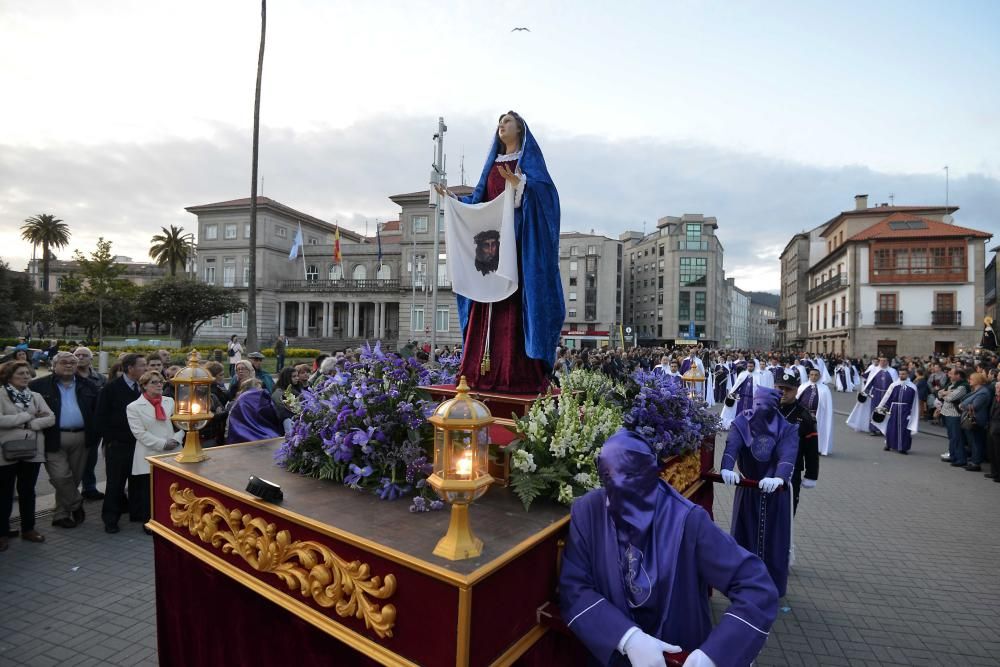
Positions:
(639, 554)
(252, 417)
(764, 445)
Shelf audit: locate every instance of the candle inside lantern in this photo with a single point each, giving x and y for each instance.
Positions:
(463, 466)
(195, 407)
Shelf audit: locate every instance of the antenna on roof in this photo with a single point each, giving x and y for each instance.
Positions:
(946, 218)
(461, 165)
(892, 199)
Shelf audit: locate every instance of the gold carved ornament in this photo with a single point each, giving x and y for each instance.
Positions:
(308, 566)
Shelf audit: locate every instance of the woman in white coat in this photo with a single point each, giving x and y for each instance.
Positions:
(149, 420)
(24, 414)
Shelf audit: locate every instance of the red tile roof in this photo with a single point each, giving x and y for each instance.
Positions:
(884, 210)
(934, 229)
(391, 226)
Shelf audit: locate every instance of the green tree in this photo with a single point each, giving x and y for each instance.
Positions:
(101, 276)
(170, 248)
(185, 304)
(252, 277)
(49, 232)
(17, 298)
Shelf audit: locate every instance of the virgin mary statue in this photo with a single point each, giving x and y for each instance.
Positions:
(510, 344)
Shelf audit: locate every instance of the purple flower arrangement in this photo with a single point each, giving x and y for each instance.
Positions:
(662, 411)
(366, 427)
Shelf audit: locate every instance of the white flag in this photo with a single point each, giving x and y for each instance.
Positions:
(482, 249)
(296, 244)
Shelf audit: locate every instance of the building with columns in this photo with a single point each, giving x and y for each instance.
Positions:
(308, 298)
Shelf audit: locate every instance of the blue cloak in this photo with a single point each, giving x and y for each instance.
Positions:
(536, 228)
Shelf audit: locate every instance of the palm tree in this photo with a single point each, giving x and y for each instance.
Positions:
(170, 248)
(51, 233)
(252, 277)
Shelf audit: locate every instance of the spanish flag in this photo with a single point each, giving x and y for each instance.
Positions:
(337, 259)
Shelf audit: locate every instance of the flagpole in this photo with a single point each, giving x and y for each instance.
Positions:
(305, 274)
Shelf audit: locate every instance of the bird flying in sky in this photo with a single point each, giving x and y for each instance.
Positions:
(524, 29)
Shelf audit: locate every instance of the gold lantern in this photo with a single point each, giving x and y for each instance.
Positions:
(694, 382)
(192, 406)
(461, 457)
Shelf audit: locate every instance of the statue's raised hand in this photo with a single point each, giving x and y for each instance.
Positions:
(509, 175)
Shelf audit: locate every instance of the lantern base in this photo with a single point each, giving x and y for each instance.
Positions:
(192, 452)
(459, 543)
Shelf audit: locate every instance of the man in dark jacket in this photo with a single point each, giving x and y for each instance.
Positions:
(119, 443)
(85, 371)
(807, 461)
(67, 442)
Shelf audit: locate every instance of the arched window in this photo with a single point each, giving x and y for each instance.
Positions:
(360, 272)
(336, 272)
(384, 272)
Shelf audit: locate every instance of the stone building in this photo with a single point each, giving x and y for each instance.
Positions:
(907, 285)
(138, 273)
(806, 249)
(592, 271)
(738, 334)
(675, 282)
(308, 298)
(762, 335)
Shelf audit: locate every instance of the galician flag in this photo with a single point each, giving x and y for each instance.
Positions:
(296, 244)
(337, 259)
(378, 237)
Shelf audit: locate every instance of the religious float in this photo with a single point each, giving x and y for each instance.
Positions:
(362, 547)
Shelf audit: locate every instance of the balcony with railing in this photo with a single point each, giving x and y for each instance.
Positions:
(342, 285)
(828, 286)
(946, 318)
(888, 318)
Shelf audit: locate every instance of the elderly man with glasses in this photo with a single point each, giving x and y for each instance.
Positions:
(69, 440)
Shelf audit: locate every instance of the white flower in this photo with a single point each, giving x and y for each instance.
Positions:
(565, 494)
(523, 461)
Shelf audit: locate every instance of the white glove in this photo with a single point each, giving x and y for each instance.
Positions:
(169, 444)
(646, 651)
(731, 477)
(769, 484)
(698, 659)
(808, 483)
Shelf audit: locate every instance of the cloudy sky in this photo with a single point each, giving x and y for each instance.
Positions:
(770, 116)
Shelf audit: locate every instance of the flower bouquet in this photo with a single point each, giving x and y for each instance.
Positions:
(555, 453)
(558, 441)
(366, 427)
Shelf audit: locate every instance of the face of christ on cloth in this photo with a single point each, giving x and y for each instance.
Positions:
(487, 251)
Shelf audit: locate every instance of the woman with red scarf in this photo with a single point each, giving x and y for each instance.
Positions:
(149, 420)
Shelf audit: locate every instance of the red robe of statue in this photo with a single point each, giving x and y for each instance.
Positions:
(511, 370)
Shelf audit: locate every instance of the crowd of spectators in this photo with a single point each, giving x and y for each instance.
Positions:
(74, 409)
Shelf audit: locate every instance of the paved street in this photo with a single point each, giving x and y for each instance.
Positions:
(897, 565)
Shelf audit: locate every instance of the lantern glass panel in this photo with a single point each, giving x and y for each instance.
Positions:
(183, 398)
(440, 453)
(462, 455)
(460, 410)
(482, 451)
